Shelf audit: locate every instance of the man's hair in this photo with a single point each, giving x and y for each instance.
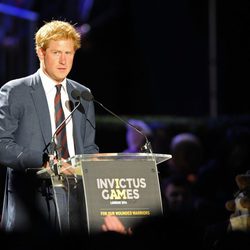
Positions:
(56, 30)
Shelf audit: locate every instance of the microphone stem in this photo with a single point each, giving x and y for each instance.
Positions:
(53, 146)
(66, 119)
(147, 145)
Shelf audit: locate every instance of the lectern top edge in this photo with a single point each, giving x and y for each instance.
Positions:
(158, 158)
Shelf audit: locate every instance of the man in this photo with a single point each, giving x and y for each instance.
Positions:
(27, 126)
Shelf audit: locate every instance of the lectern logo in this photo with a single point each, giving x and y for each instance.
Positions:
(120, 188)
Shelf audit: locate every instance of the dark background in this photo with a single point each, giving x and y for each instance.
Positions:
(154, 61)
(152, 57)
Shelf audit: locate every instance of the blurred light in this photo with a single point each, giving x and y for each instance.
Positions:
(18, 12)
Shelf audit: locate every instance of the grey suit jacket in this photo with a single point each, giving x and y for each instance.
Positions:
(25, 131)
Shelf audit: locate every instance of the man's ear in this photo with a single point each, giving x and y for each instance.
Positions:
(40, 53)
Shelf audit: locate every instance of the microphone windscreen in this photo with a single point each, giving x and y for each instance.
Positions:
(76, 94)
(87, 96)
(69, 105)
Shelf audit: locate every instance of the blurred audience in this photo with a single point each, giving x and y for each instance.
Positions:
(216, 178)
(179, 200)
(177, 195)
(187, 156)
(234, 231)
(134, 139)
(160, 138)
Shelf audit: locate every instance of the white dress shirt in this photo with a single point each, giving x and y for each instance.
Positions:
(50, 92)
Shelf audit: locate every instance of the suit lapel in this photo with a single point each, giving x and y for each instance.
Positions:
(41, 106)
(76, 116)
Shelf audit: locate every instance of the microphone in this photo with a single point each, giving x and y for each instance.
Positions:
(76, 94)
(87, 96)
(52, 144)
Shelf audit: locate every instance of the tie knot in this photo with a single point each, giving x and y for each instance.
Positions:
(58, 88)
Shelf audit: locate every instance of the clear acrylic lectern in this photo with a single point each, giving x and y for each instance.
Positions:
(96, 185)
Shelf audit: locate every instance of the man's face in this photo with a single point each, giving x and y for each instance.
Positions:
(178, 197)
(57, 59)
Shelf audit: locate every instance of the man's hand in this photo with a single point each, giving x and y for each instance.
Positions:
(63, 166)
(113, 223)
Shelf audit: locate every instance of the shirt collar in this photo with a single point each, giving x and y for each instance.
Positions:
(49, 83)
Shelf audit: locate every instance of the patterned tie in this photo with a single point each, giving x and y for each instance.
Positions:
(59, 118)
